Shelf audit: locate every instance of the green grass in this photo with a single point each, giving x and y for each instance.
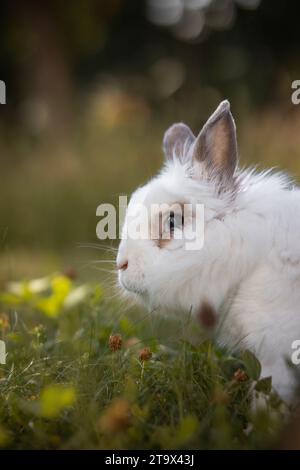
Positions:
(63, 387)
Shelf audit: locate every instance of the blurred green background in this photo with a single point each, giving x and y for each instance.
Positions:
(91, 87)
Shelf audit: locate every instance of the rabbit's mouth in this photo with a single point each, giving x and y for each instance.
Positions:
(131, 287)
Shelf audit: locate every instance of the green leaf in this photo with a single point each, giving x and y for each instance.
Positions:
(4, 437)
(264, 385)
(186, 430)
(230, 365)
(252, 365)
(56, 398)
(61, 287)
(127, 327)
(10, 299)
(53, 305)
(49, 306)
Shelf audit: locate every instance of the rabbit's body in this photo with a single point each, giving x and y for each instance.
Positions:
(249, 266)
(262, 313)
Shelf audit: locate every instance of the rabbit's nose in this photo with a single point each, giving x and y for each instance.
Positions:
(122, 265)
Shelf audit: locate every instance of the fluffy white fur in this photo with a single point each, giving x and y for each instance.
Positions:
(248, 268)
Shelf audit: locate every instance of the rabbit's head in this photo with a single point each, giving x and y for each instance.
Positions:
(167, 262)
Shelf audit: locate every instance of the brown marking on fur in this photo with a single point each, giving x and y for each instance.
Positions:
(163, 242)
(207, 315)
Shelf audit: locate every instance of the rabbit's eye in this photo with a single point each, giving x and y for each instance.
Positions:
(174, 221)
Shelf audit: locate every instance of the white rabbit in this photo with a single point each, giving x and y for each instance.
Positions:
(249, 266)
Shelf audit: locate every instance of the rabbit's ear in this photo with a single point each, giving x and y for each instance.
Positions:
(177, 141)
(216, 145)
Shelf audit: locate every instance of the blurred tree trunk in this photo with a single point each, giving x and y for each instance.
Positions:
(45, 72)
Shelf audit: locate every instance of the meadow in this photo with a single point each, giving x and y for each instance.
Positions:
(84, 372)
